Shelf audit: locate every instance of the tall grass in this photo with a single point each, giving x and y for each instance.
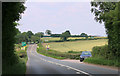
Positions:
(102, 61)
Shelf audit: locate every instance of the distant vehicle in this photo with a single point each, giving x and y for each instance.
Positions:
(85, 54)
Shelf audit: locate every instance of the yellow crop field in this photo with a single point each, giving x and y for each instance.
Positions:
(58, 38)
(50, 38)
(82, 45)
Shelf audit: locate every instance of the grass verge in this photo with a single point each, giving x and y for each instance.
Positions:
(102, 61)
(58, 55)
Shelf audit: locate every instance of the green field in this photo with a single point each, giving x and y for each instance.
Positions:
(82, 45)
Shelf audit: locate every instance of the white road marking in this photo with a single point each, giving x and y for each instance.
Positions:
(78, 71)
(68, 68)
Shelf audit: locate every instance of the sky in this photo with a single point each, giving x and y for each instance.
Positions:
(59, 17)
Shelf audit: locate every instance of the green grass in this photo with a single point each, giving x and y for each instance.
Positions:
(56, 54)
(48, 53)
(102, 61)
(82, 45)
(53, 56)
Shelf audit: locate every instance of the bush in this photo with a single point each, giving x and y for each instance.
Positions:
(75, 52)
(70, 51)
(100, 51)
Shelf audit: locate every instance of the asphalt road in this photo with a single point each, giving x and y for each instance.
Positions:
(39, 64)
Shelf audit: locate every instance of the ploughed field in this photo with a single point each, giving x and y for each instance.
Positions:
(81, 45)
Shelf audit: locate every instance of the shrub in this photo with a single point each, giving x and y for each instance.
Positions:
(100, 51)
(70, 51)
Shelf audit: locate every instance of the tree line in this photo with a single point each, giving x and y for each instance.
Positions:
(29, 36)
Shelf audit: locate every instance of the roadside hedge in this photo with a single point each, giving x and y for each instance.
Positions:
(101, 55)
(100, 51)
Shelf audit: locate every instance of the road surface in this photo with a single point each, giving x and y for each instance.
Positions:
(39, 64)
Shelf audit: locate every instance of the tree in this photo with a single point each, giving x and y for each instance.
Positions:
(22, 37)
(84, 35)
(65, 35)
(9, 30)
(112, 24)
(29, 34)
(39, 34)
(109, 13)
(17, 31)
(35, 38)
(55, 35)
(104, 7)
(48, 32)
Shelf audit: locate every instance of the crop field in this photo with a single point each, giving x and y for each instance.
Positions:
(82, 45)
(58, 38)
(50, 38)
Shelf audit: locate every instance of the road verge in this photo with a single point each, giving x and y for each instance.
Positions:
(58, 55)
(20, 66)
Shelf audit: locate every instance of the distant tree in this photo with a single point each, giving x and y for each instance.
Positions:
(25, 37)
(39, 34)
(29, 34)
(55, 35)
(84, 35)
(48, 32)
(75, 36)
(65, 35)
(22, 37)
(35, 39)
